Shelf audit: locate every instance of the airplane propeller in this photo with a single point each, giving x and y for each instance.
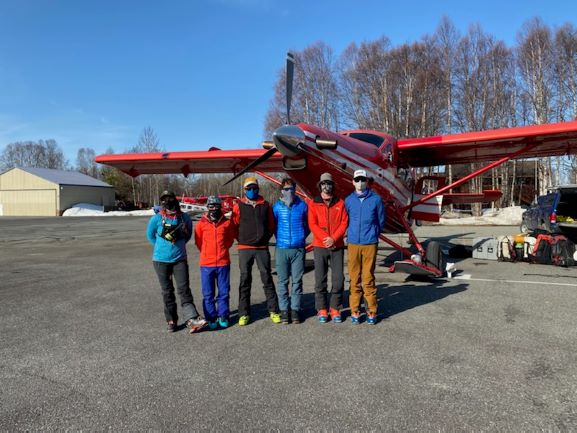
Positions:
(290, 66)
(284, 137)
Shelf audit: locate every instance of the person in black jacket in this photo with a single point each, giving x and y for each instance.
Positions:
(254, 219)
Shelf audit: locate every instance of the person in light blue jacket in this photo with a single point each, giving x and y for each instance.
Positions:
(291, 231)
(366, 221)
(168, 232)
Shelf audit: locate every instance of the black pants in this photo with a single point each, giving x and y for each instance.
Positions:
(246, 259)
(165, 273)
(323, 259)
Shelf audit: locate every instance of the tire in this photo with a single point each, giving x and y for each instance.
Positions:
(434, 255)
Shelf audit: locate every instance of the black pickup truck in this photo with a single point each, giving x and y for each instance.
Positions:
(554, 212)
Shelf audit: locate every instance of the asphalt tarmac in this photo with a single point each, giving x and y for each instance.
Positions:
(83, 345)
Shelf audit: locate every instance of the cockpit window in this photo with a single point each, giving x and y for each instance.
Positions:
(367, 138)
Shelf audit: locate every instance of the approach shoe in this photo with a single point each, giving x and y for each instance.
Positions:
(295, 317)
(275, 318)
(372, 318)
(212, 325)
(355, 318)
(223, 322)
(336, 316)
(323, 316)
(171, 326)
(196, 324)
(243, 320)
(284, 317)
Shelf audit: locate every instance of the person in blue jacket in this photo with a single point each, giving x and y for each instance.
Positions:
(168, 231)
(291, 231)
(366, 221)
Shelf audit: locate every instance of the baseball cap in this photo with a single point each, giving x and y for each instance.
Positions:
(360, 173)
(250, 181)
(326, 177)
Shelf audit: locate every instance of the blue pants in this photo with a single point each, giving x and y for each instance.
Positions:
(211, 276)
(290, 264)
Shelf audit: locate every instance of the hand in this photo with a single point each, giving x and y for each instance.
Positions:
(329, 242)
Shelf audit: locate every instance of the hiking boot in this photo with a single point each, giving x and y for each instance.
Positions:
(275, 318)
(212, 325)
(171, 326)
(284, 317)
(223, 322)
(295, 316)
(355, 318)
(243, 320)
(372, 318)
(336, 315)
(323, 316)
(196, 324)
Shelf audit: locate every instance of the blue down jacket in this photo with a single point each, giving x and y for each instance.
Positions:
(292, 227)
(366, 217)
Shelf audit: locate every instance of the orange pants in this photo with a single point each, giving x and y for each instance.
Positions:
(362, 260)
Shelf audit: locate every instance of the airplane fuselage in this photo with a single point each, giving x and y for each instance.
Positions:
(377, 157)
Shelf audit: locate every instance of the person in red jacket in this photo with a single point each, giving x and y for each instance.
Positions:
(214, 235)
(328, 221)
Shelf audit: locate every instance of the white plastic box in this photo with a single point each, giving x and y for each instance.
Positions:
(485, 248)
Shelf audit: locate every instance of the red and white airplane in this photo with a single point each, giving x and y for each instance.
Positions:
(305, 151)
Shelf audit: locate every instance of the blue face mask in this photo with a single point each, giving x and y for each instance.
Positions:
(251, 194)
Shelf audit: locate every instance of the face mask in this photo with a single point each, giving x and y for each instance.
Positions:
(214, 214)
(327, 188)
(171, 205)
(288, 196)
(251, 194)
(361, 186)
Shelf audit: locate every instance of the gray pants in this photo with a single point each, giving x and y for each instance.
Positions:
(325, 258)
(178, 271)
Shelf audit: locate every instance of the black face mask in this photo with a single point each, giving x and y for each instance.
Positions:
(214, 214)
(170, 204)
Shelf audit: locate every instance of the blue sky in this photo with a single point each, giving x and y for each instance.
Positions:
(199, 72)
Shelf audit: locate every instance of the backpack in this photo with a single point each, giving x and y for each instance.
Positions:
(562, 251)
(505, 249)
(542, 250)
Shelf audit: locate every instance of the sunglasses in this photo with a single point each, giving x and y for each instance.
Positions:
(288, 188)
(327, 182)
(213, 206)
(251, 188)
(360, 179)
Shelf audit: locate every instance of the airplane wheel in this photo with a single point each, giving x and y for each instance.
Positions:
(434, 255)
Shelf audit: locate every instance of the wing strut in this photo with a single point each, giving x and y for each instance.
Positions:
(469, 177)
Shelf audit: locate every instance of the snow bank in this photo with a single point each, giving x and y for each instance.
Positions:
(509, 216)
(87, 209)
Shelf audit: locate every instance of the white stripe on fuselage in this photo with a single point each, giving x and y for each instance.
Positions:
(403, 196)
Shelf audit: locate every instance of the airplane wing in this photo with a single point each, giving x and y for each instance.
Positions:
(553, 139)
(210, 161)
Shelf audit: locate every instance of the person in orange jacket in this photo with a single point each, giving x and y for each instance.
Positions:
(214, 235)
(328, 221)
